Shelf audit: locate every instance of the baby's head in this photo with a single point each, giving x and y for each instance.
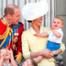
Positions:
(4, 53)
(58, 22)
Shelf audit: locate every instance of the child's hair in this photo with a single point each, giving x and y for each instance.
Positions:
(60, 18)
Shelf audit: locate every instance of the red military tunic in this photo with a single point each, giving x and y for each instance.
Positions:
(5, 32)
(17, 45)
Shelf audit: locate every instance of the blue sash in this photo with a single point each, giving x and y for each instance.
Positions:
(9, 37)
(7, 41)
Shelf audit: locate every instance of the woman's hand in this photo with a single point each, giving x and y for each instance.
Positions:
(57, 52)
(9, 54)
(47, 54)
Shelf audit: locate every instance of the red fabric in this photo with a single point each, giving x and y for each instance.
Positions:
(19, 42)
(3, 27)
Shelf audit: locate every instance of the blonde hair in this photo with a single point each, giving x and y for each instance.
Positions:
(60, 18)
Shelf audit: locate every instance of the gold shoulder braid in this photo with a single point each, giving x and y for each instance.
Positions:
(6, 33)
(7, 29)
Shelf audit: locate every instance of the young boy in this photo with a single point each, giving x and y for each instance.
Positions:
(55, 39)
(6, 58)
(56, 35)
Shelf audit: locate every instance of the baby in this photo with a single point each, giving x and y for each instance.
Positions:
(6, 58)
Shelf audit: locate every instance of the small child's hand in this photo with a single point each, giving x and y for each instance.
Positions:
(11, 54)
(2, 58)
(53, 31)
(56, 33)
(2, 54)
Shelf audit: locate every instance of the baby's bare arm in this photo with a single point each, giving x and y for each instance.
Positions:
(56, 33)
(44, 34)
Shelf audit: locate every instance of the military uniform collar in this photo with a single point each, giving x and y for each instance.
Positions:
(5, 21)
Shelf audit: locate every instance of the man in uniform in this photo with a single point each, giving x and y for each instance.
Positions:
(11, 28)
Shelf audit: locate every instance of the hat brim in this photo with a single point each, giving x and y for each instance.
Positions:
(32, 11)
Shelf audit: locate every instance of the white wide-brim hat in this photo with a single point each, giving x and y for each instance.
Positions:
(32, 11)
